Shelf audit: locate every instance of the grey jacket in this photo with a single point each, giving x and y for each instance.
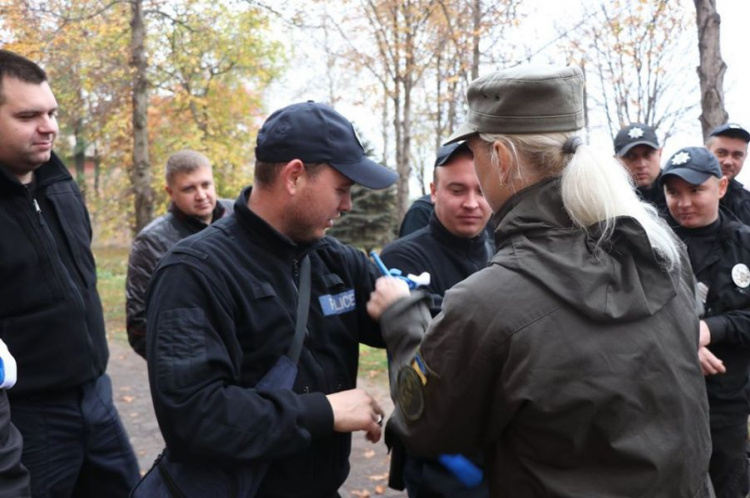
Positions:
(573, 367)
(149, 246)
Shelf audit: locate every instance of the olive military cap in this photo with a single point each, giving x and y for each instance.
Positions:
(524, 99)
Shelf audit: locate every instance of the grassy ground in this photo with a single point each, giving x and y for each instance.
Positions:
(112, 268)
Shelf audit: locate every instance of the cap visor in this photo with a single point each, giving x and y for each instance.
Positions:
(462, 133)
(367, 173)
(627, 148)
(689, 175)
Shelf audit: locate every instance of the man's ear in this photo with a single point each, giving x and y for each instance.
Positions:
(433, 188)
(503, 164)
(723, 184)
(291, 174)
(169, 191)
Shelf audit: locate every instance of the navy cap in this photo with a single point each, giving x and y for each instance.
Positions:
(446, 152)
(695, 165)
(731, 130)
(633, 135)
(316, 133)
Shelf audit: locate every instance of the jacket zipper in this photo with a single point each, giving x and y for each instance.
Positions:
(63, 275)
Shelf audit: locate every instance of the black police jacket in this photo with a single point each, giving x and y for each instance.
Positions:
(149, 246)
(737, 201)
(725, 271)
(446, 257)
(221, 311)
(50, 313)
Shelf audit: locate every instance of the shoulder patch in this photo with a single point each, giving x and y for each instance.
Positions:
(410, 397)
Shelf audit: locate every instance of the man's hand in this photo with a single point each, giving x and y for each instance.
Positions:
(355, 410)
(710, 364)
(705, 334)
(387, 291)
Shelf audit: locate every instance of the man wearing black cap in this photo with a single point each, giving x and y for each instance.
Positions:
(223, 306)
(637, 147)
(451, 247)
(719, 250)
(728, 143)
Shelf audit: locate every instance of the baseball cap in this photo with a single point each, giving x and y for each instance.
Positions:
(524, 99)
(633, 135)
(446, 152)
(695, 165)
(315, 133)
(731, 130)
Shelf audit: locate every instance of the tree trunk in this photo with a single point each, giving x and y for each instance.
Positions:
(712, 67)
(79, 157)
(477, 34)
(141, 178)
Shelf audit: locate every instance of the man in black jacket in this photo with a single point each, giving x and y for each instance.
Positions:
(222, 310)
(451, 247)
(719, 250)
(637, 148)
(51, 317)
(190, 185)
(728, 143)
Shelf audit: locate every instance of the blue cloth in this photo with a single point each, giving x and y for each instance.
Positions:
(75, 443)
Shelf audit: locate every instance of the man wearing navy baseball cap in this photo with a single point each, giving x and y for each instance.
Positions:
(637, 148)
(728, 142)
(223, 309)
(719, 250)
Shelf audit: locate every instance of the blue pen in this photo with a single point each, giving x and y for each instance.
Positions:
(413, 281)
(461, 467)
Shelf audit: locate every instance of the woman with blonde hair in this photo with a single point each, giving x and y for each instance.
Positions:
(571, 361)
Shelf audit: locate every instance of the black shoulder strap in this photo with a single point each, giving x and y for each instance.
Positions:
(303, 307)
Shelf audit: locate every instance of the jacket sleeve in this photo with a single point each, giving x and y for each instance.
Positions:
(202, 405)
(730, 327)
(405, 258)
(144, 256)
(364, 274)
(444, 391)
(15, 480)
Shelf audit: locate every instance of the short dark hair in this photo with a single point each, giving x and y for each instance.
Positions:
(16, 66)
(462, 152)
(184, 161)
(266, 173)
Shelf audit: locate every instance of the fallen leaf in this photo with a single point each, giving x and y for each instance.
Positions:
(127, 399)
(369, 453)
(379, 490)
(361, 494)
(378, 477)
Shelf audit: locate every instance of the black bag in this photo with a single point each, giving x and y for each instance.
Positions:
(170, 479)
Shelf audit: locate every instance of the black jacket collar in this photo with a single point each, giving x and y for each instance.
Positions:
(52, 171)
(267, 236)
(218, 213)
(445, 237)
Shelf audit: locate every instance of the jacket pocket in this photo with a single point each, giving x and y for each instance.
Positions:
(76, 228)
(181, 346)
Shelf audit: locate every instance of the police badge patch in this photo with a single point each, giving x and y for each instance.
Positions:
(741, 275)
